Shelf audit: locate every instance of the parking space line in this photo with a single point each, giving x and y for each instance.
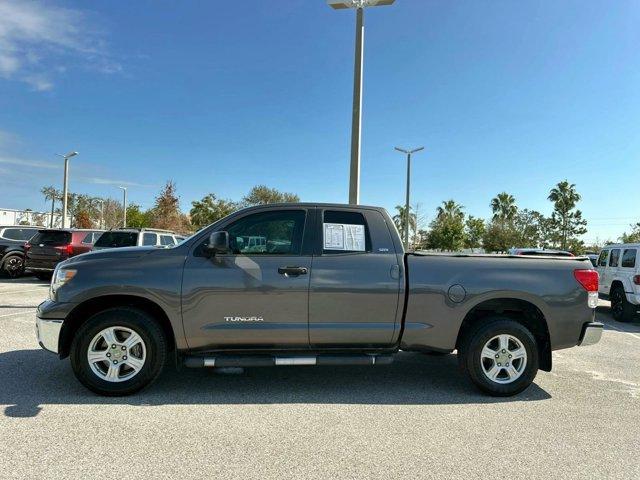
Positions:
(622, 331)
(17, 313)
(22, 291)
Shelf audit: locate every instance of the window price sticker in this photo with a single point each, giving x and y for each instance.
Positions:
(344, 236)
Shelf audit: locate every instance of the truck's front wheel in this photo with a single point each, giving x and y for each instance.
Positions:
(500, 356)
(118, 351)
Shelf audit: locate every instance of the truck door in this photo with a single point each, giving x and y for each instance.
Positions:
(257, 295)
(354, 296)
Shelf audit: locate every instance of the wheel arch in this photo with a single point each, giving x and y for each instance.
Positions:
(90, 307)
(520, 310)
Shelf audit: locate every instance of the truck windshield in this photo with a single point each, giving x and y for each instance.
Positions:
(117, 239)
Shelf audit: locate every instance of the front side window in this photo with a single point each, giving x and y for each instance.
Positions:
(615, 256)
(344, 232)
(149, 239)
(629, 258)
(602, 259)
(268, 233)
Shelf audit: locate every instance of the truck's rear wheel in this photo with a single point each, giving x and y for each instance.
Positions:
(500, 356)
(118, 351)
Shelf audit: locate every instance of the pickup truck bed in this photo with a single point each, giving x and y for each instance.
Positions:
(311, 284)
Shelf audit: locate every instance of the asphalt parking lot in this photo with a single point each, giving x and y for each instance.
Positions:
(417, 418)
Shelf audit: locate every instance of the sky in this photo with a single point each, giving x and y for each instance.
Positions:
(221, 96)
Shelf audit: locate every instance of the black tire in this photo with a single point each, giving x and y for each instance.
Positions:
(621, 309)
(138, 321)
(13, 265)
(44, 275)
(471, 362)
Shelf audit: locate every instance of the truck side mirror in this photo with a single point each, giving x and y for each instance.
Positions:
(218, 243)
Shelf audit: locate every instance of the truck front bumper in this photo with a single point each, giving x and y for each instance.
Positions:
(48, 333)
(591, 333)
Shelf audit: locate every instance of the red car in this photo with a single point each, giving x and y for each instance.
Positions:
(49, 247)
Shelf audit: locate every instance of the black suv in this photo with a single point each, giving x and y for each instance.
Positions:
(12, 251)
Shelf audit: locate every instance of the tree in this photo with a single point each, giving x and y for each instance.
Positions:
(566, 221)
(499, 236)
(166, 212)
(450, 208)
(528, 226)
(447, 229)
(474, 231)
(633, 236)
(400, 219)
(83, 220)
(262, 195)
(210, 209)
(51, 193)
(504, 207)
(136, 218)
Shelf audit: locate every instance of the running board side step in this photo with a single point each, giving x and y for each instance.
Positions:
(193, 361)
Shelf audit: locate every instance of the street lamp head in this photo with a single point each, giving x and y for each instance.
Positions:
(409, 151)
(123, 188)
(71, 154)
(342, 4)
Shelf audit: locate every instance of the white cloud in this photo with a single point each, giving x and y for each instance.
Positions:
(27, 163)
(37, 38)
(107, 181)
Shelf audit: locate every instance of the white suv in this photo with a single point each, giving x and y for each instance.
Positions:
(619, 270)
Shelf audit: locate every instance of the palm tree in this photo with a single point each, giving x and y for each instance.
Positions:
(400, 219)
(504, 207)
(565, 198)
(450, 209)
(50, 193)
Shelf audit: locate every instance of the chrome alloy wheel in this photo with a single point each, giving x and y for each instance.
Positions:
(116, 354)
(503, 359)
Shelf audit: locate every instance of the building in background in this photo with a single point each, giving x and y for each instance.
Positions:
(9, 216)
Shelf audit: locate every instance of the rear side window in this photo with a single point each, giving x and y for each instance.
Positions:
(166, 240)
(117, 239)
(149, 239)
(602, 259)
(629, 258)
(344, 232)
(52, 237)
(91, 237)
(615, 256)
(19, 233)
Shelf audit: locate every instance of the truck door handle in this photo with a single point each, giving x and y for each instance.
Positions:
(292, 271)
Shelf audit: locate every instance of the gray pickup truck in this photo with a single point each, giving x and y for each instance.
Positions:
(311, 284)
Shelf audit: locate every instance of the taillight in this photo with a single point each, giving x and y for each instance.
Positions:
(589, 281)
(69, 250)
(636, 279)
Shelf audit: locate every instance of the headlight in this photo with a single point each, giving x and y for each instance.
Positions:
(60, 277)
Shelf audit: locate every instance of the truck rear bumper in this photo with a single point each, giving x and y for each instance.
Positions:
(591, 333)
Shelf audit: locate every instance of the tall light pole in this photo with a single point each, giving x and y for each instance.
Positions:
(124, 207)
(356, 118)
(65, 184)
(101, 200)
(406, 206)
